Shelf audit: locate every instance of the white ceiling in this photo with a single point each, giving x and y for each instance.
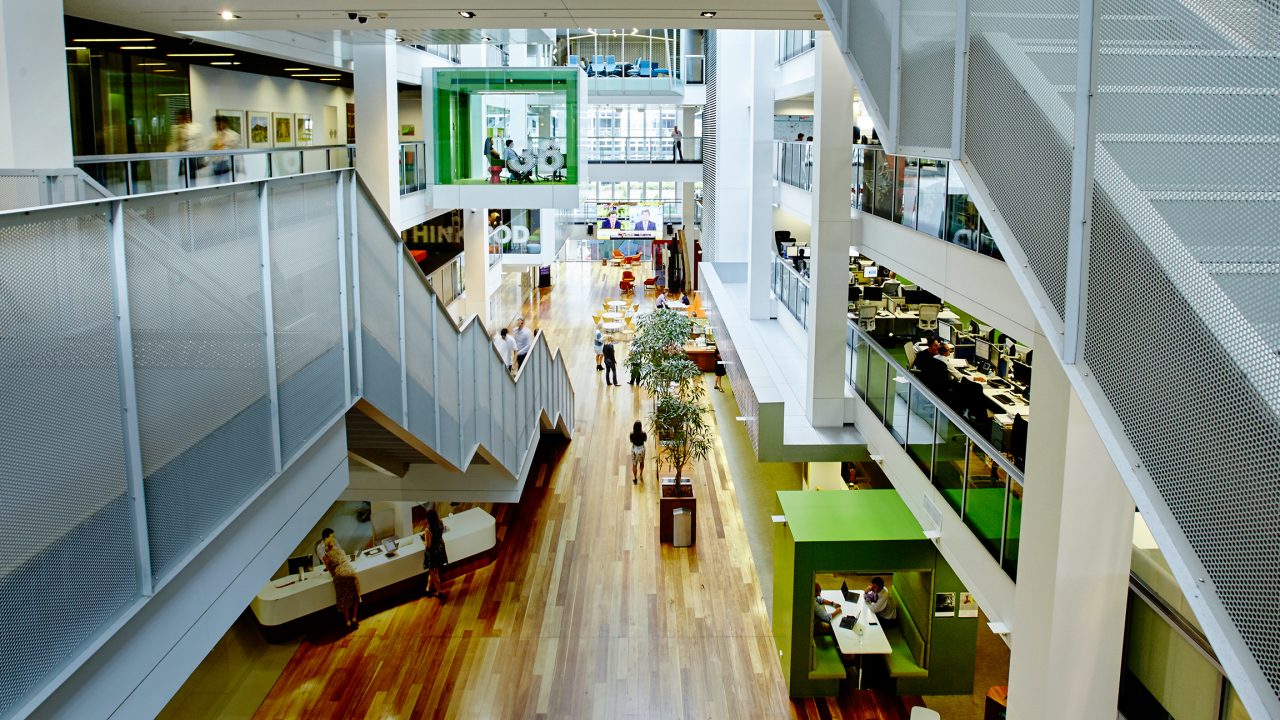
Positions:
(170, 16)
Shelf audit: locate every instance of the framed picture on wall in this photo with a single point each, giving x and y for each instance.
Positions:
(304, 128)
(968, 606)
(283, 124)
(235, 121)
(259, 129)
(944, 604)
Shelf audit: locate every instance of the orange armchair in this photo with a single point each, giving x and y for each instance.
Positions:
(628, 282)
(631, 259)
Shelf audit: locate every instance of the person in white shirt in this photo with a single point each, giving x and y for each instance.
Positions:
(881, 603)
(505, 348)
(524, 342)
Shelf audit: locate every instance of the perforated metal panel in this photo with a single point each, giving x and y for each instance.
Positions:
(379, 310)
(1195, 216)
(195, 293)
(306, 308)
(708, 231)
(928, 77)
(62, 482)
(419, 350)
(447, 372)
(20, 191)
(870, 35)
(1019, 142)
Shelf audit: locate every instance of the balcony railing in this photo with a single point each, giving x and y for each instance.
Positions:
(141, 173)
(973, 470)
(614, 149)
(920, 193)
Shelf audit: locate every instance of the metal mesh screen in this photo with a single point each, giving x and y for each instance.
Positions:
(379, 310)
(195, 293)
(1194, 216)
(306, 306)
(62, 483)
(707, 235)
(928, 76)
(467, 368)
(20, 191)
(1018, 139)
(418, 349)
(447, 372)
(870, 35)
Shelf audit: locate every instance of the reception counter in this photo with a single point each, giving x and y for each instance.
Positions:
(289, 598)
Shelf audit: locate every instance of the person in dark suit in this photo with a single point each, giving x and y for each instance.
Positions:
(612, 222)
(610, 364)
(644, 223)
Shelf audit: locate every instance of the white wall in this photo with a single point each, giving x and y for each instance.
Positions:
(735, 61)
(799, 227)
(214, 89)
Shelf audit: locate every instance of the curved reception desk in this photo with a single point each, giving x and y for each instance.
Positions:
(467, 534)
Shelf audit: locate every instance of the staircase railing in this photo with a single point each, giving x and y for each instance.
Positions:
(1115, 222)
(166, 357)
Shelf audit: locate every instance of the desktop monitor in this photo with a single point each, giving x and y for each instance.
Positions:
(299, 563)
(982, 349)
(1021, 372)
(855, 293)
(870, 271)
(871, 293)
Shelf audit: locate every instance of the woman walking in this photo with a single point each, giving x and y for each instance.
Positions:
(435, 557)
(346, 584)
(598, 343)
(638, 439)
(720, 370)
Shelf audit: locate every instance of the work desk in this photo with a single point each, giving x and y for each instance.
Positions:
(1017, 407)
(281, 600)
(871, 641)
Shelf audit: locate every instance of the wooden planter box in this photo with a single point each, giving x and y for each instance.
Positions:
(669, 503)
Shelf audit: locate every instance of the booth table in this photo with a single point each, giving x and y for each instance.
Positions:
(870, 641)
(281, 600)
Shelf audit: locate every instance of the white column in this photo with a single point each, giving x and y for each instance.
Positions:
(733, 145)
(475, 251)
(377, 121)
(760, 254)
(830, 234)
(35, 110)
(688, 207)
(1073, 563)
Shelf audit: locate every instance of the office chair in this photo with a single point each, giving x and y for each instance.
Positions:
(628, 282)
(572, 61)
(929, 317)
(867, 316)
(611, 67)
(596, 68)
(910, 348)
(891, 287)
(661, 71)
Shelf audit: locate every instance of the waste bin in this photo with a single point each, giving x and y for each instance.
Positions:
(544, 276)
(682, 527)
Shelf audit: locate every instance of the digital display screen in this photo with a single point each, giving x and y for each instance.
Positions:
(620, 221)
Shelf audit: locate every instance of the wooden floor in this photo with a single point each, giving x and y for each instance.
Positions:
(584, 614)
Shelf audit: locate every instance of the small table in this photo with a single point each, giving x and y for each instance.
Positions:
(871, 641)
(611, 315)
(611, 327)
(616, 304)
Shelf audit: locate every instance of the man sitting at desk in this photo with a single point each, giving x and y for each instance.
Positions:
(881, 603)
(823, 617)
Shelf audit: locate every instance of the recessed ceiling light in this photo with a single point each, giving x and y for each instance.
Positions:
(200, 54)
(296, 69)
(708, 13)
(152, 64)
(317, 75)
(164, 70)
(133, 40)
(224, 62)
(228, 15)
(466, 14)
(137, 47)
(76, 48)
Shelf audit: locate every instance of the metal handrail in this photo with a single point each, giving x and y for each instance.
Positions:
(122, 157)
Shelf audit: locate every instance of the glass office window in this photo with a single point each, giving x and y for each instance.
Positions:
(908, 195)
(933, 197)
(984, 509)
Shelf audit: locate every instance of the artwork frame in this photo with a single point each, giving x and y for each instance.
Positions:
(235, 120)
(944, 604)
(303, 129)
(968, 607)
(258, 123)
(282, 129)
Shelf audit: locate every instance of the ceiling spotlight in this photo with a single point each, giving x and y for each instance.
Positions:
(486, 38)
(228, 15)
(352, 16)
(708, 13)
(466, 14)
(399, 39)
(362, 19)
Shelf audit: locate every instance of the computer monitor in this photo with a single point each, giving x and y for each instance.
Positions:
(300, 563)
(871, 293)
(982, 349)
(1021, 372)
(963, 352)
(855, 293)
(914, 296)
(870, 271)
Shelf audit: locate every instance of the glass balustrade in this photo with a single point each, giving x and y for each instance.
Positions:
(614, 149)
(921, 193)
(141, 173)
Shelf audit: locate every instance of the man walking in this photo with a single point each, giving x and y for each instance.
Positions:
(610, 364)
(676, 150)
(524, 342)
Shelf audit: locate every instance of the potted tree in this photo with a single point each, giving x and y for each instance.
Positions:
(679, 411)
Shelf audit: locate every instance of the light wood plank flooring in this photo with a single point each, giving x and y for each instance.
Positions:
(584, 614)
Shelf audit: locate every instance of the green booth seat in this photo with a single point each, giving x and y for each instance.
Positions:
(908, 658)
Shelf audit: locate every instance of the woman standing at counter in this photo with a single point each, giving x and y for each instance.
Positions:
(435, 557)
(346, 584)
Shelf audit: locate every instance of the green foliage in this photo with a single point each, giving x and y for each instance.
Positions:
(683, 434)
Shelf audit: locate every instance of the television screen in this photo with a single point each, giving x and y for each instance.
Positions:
(629, 220)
